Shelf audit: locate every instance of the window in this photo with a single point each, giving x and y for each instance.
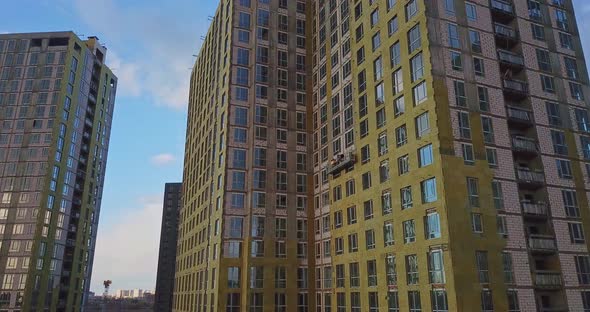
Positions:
(392, 26)
(351, 215)
(476, 223)
(473, 191)
(547, 84)
(388, 234)
(233, 277)
(460, 94)
(428, 188)
(553, 114)
(564, 168)
(372, 273)
(559, 143)
(583, 269)
(570, 203)
(386, 207)
(366, 180)
(384, 171)
(417, 66)
(233, 302)
(411, 9)
(456, 61)
(436, 270)
(497, 195)
(576, 91)
(478, 66)
(543, 60)
(576, 233)
(414, 39)
(538, 32)
(471, 11)
(420, 93)
(468, 156)
(508, 269)
(409, 231)
(454, 41)
(464, 128)
(401, 136)
(481, 258)
(373, 302)
(403, 164)
(513, 305)
(487, 303)
(395, 54)
(406, 197)
(422, 125)
(382, 143)
(412, 277)
(370, 239)
(354, 272)
(414, 301)
(439, 300)
(475, 40)
(432, 225)
(488, 129)
(425, 156)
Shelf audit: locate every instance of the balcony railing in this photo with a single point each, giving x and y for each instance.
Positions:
(535, 209)
(530, 179)
(505, 31)
(524, 144)
(548, 279)
(542, 243)
(510, 58)
(519, 115)
(341, 162)
(503, 7)
(515, 85)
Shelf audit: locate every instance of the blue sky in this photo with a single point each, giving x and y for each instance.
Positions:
(151, 43)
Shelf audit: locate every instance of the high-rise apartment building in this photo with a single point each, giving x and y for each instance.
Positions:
(167, 255)
(387, 155)
(56, 105)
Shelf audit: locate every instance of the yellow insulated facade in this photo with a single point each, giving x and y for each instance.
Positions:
(387, 155)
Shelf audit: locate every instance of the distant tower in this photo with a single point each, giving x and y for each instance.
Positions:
(167, 255)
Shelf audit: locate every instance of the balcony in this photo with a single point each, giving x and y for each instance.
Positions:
(538, 209)
(503, 10)
(529, 179)
(519, 117)
(548, 279)
(554, 309)
(524, 146)
(510, 60)
(542, 243)
(515, 89)
(341, 162)
(505, 32)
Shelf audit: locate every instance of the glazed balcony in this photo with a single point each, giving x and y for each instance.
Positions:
(519, 117)
(503, 10)
(548, 280)
(511, 60)
(515, 89)
(524, 146)
(506, 32)
(538, 209)
(542, 243)
(341, 162)
(529, 179)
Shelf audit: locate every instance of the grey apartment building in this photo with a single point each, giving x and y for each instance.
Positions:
(56, 105)
(167, 255)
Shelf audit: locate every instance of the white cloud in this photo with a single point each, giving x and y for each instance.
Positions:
(127, 249)
(129, 83)
(159, 48)
(163, 159)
